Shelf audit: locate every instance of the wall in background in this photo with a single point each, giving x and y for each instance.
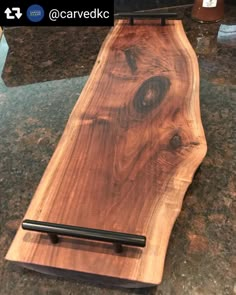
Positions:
(132, 5)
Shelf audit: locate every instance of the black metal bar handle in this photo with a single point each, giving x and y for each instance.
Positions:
(146, 15)
(54, 229)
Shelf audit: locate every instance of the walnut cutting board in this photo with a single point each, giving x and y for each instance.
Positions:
(125, 160)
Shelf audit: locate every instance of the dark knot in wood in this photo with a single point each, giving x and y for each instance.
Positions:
(176, 141)
(151, 93)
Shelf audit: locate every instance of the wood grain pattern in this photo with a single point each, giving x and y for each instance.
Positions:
(125, 160)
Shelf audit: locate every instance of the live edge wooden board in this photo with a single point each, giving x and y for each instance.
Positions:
(125, 160)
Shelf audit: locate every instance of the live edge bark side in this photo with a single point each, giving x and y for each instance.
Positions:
(125, 160)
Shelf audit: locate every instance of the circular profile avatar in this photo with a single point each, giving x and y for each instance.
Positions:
(35, 13)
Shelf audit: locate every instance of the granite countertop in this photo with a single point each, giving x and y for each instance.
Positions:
(43, 74)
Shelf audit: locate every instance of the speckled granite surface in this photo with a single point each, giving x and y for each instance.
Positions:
(201, 257)
(50, 53)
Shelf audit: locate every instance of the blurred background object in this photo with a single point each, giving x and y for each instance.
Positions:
(208, 10)
(227, 35)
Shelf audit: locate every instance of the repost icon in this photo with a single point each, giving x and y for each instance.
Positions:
(35, 13)
(13, 13)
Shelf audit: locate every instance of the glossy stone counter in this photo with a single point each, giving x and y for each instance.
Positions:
(44, 73)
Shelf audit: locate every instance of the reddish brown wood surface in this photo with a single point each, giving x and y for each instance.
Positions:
(125, 160)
